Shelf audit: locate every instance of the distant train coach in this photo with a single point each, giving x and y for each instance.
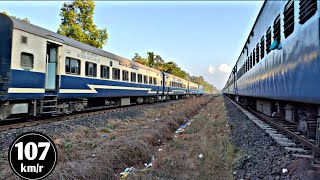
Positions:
(278, 70)
(45, 73)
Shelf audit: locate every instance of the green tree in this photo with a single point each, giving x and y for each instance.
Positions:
(158, 62)
(77, 23)
(24, 19)
(137, 58)
(150, 59)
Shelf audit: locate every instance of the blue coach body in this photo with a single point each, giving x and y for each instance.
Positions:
(41, 69)
(290, 72)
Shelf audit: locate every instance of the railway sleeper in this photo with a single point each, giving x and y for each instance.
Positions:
(297, 117)
(281, 139)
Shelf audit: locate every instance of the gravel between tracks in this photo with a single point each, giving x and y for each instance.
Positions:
(61, 127)
(260, 157)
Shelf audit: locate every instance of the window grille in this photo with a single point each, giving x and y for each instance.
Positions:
(288, 18)
(306, 10)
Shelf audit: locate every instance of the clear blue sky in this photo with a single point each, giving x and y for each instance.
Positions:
(204, 38)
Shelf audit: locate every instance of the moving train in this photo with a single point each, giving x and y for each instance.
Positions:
(278, 70)
(43, 72)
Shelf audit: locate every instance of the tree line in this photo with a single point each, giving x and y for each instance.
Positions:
(77, 23)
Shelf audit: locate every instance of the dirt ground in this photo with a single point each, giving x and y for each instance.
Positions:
(199, 151)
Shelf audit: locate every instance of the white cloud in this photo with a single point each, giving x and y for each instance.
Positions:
(218, 75)
(211, 69)
(224, 68)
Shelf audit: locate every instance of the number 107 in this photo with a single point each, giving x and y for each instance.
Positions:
(30, 150)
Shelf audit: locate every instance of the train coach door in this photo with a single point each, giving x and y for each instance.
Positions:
(51, 66)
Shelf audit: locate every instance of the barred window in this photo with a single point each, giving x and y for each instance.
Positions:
(247, 64)
(139, 78)
(254, 57)
(307, 9)
(277, 29)
(155, 81)
(115, 74)
(262, 47)
(268, 39)
(26, 62)
(257, 53)
(288, 18)
(105, 72)
(125, 75)
(251, 61)
(145, 78)
(133, 77)
(91, 69)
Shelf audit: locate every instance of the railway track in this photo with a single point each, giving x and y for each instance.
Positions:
(21, 123)
(285, 134)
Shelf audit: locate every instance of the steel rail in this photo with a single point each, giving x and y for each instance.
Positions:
(87, 113)
(272, 122)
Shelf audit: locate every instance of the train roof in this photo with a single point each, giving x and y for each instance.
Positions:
(254, 24)
(39, 31)
(167, 74)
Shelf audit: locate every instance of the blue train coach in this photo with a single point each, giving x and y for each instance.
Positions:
(278, 70)
(45, 73)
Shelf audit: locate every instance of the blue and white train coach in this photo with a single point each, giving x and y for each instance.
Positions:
(45, 73)
(278, 70)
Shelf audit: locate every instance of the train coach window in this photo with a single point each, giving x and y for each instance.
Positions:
(26, 61)
(105, 72)
(155, 81)
(150, 80)
(145, 79)
(254, 57)
(307, 9)
(262, 47)
(115, 74)
(133, 77)
(139, 78)
(91, 69)
(24, 40)
(250, 66)
(125, 75)
(288, 18)
(246, 66)
(277, 29)
(72, 66)
(257, 53)
(268, 39)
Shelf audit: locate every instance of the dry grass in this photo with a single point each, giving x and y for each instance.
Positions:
(207, 135)
(104, 152)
